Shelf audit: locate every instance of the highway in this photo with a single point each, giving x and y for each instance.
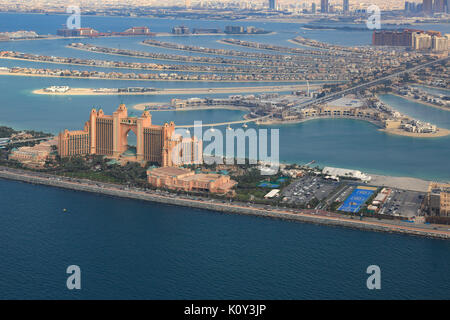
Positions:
(26, 140)
(219, 124)
(368, 84)
(311, 216)
(328, 97)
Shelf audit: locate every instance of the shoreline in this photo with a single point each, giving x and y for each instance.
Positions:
(142, 107)
(399, 132)
(178, 91)
(21, 74)
(155, 34)
(441, 132)
(231, 208)
(431, 87)
(165, 59)
(127, 68)
(425, 103)
(209, 53)
(305, 45)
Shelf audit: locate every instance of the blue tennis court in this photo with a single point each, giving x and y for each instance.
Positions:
(358, 197)
(268, 185)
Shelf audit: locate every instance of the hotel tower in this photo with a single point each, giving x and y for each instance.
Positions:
(107, 135)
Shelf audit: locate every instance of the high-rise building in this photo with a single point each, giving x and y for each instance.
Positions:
(427, 7)
(410, 7)
(439, 44)
(108, 135)
(346, 6)
(392, 38)
(313, 8)
(439, 6)
(180, 30)
(273, 5)
(422, 41)
(418, 39)
(324, 6)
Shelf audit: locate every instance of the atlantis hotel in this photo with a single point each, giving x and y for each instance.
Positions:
(107, 135)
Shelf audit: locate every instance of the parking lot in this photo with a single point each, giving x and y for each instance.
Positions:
(403, 203)
(305, 189)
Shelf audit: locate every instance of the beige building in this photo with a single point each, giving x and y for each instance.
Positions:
(421, 41)
(440, 44)
(335, 111)
(392, 124)
(438, 199)
(187, 180)
(34, 157)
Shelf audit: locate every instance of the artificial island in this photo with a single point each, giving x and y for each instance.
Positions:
(100, 158)
(345, 83)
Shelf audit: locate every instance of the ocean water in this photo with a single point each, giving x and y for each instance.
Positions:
(131, 249)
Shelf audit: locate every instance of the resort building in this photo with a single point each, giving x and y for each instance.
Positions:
(108, 135)
(345, 173)
(438, 199)
(440, 44)
(347, 107)
(187, 180)
(422, 41)
(34, 157)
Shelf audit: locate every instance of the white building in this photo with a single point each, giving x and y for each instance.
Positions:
(440, 44)
(346, 173)
(421, 41)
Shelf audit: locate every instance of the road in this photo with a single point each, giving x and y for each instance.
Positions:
(26, 140)
(315, 216)
(331, 96)
(368, 84)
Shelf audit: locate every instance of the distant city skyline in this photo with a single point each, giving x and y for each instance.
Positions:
(258, 4)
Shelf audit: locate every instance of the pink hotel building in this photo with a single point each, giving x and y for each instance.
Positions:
(107, 135)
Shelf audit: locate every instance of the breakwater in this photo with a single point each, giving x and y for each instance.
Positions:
(93, 187)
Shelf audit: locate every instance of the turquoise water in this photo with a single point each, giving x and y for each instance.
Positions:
(418, 111)
(342, 143)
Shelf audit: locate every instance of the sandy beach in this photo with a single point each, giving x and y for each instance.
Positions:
(126, 68)
(22, 74)
(440, 133)
(154, 107)
(164, 59)
(91, 92)
(405, 183)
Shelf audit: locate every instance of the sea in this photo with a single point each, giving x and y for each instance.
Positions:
(139, 250)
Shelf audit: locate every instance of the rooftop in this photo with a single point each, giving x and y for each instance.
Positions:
(168, 171)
